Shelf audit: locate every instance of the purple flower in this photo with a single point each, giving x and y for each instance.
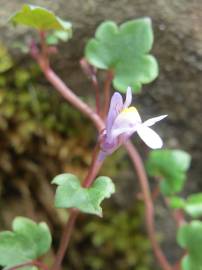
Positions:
(122, 122)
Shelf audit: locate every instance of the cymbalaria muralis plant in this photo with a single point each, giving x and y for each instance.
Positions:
(123, 52)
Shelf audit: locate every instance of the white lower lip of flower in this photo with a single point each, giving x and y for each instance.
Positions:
(119, 131)
(126, 121)
(150, 137)
(150, 122)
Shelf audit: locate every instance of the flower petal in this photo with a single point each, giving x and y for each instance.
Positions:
(102, 155)
(150, 122)
(116, 105)
(128, 98)
(126, 122)
(149, 136)
(118, 131)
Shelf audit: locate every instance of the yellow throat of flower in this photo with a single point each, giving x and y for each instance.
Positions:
(129, 110)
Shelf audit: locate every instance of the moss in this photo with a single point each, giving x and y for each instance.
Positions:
(41, 136)
(115, 242)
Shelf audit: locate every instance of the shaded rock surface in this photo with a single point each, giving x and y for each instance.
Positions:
(177, 47)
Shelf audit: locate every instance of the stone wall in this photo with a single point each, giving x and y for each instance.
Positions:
(178, 48)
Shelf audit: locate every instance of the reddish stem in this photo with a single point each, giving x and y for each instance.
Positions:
(179, 217)
(68, 229)
(138, 164)
(178, 214)
(91, 74)
(65, 238)
(94, 168)
(44, 48)
(66, 92)
(32, 263)
(107, 92)
(155, 193)
(97, 93)
(177, 266)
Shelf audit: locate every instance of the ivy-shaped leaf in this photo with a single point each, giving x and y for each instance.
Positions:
(39, 18)
(176, 202)
(192, 205)
(26, 242)
(125, 51)
(40, 233)
(57, 36)
(190, 237)
(70, 193)
(171, 166)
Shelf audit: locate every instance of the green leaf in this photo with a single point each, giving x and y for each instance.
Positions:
(15, 249)
(40, 233)
(171, 166)
(193, 205)
(190, 237)
(39, 18)
(26, 242)
(125, 51)
(57, 36)
(177, 202)
(70, 193)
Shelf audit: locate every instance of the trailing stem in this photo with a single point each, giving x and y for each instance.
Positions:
(73, 99)
(97, 94)
(42, 59)
(90, 71)
(65, 238)
(107, 85)
(67, 93)
(94, 168)
(68, 229)
(138, 164)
